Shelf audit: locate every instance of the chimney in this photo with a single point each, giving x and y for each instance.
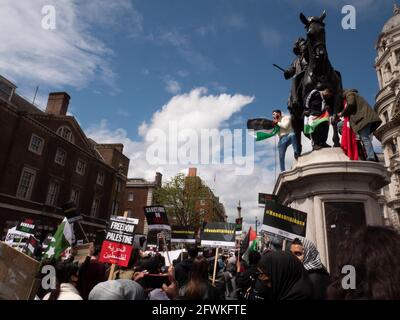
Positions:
(158, 180)
(57, 103)
(192, 172)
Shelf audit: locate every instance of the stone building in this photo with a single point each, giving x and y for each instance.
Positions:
(387, 65)
(47, 160)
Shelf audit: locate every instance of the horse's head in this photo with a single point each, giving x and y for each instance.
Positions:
(315, 27)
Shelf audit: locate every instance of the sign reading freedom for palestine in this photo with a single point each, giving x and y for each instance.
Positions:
(283, 221)
(118, 242)
(218, 234)
(181, 234)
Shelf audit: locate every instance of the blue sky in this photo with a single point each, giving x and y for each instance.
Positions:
(122, 61)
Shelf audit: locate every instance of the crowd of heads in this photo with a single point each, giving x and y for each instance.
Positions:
(265, 275)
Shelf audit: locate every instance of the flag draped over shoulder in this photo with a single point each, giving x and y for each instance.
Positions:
(311, 122)
(348, 141)
(63, 238)
(249, 244)
(263, 128)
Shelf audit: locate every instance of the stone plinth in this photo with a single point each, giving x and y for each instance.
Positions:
(324, 179)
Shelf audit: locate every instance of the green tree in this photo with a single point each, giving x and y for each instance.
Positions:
(179, 196)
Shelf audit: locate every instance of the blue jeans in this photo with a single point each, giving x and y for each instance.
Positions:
(365, 135)
(284, 143)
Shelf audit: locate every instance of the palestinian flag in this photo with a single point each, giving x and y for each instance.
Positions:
(249, 244)
(311, 122)
(62, 239)
(263, 128)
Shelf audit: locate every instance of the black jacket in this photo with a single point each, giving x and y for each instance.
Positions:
(182, 271)
(320, 281)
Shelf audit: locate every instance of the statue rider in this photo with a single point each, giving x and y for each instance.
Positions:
(296, 72)
(296, 68)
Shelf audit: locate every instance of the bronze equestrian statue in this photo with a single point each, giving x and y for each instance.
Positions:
(318, 74)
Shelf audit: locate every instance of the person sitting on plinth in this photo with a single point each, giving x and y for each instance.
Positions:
(316, 117)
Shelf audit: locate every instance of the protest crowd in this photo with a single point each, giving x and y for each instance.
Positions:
(259, 269)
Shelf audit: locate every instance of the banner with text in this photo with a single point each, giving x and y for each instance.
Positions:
(218, 234)
(181, 234)
(157, 221)
(284, 222)
(119, 239)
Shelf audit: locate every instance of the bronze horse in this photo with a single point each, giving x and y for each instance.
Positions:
(318, 74)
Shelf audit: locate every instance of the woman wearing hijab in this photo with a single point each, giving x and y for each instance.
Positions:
(282, 277)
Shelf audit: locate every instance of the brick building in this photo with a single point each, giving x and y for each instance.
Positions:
(138, 194)
(46, 160)
(207, 205)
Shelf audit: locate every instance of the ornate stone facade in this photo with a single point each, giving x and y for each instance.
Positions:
(387, 65)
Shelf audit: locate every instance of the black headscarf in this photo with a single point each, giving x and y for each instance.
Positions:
(289, 279)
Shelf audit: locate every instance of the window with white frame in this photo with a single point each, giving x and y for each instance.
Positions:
(202, 202)
(26, 182)
(114, 208)
(36, 144)
(60, 157)
(100, 178)
(75, 195)
(202, 211)
(130, 196)
(80, 167)
(66, 133)
(95, 207)
(52, 193)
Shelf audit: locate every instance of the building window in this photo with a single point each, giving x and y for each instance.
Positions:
(114, 209)
(100, 178)
(129, 212)
(80, 167)
(202, 211)
(52, 193)
(66, 133)
(75, 195)
(118, 186)
(36, 144)
(130, 196)
(61, 155)
(202, 202)
(6, 90)
(95, 207)
(26, 183)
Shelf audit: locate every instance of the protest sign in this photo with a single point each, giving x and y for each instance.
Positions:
(82, 251)
(118, 243)
(180, 234)
(157, 222)
(16, 239)
(27, 225)
(218, 235)
(264, 197)
(17, 274)
(172, 255)
(238, 227)
(283, 222)
(31, 245)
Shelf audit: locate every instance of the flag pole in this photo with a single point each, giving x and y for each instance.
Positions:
(215, 266)
(284, 245)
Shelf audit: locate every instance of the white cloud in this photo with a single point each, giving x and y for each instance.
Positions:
(70, 54)
(172, 86)
(197, 110)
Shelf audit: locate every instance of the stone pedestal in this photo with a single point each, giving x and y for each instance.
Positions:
(328, 186)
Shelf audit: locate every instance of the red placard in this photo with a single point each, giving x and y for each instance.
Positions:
(115, 253)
